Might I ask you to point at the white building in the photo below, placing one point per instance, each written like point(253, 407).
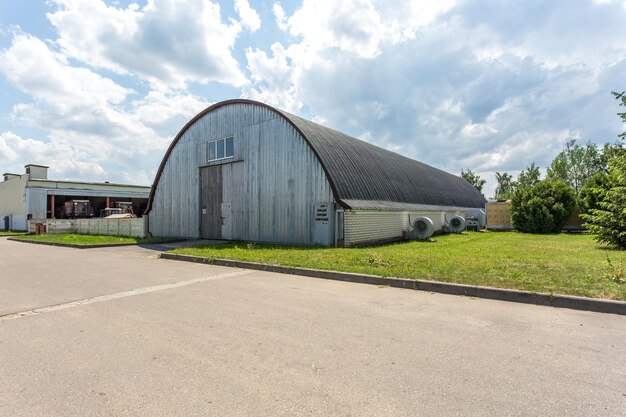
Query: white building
point(33, 197)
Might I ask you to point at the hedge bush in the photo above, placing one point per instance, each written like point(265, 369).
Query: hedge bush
point(542, 208)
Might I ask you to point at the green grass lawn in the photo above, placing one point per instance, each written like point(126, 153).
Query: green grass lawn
point(11, 233)
point(77, 239)
point(571, 264)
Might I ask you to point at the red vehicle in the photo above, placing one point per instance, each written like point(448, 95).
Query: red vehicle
point(76, 209)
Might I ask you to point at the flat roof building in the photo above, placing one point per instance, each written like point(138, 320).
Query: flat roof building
point(32, 196)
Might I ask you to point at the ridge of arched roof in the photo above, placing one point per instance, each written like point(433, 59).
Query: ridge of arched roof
point(366, 176)
point(361, 175)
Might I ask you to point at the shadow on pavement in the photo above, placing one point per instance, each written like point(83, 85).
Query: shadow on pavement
point(165, 246)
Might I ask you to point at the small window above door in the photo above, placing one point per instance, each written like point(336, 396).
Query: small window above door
point(220, 149)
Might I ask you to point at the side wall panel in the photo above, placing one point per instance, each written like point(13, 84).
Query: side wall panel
point(37, 202)
point(13, 196)
point(361, 227)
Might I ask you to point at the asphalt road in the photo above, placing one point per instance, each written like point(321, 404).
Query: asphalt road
point(118, 332)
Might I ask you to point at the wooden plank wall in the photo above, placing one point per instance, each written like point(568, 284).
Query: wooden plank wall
point(211, 202)
point(272, 184)
point(233, 196)
point(499, 215)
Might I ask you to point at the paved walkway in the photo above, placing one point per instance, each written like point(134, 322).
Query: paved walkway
point(116, 331)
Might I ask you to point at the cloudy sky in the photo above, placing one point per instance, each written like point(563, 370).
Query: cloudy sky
point(97, 89)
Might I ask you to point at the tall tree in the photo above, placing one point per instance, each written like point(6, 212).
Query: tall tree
point(576, 164)
point(529, 177)
point(505, 187)
point(608, 221)
point(609, 151)
point(473, 179)
point(621, 96)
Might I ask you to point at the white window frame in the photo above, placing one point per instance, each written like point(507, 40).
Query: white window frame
point(223, 140)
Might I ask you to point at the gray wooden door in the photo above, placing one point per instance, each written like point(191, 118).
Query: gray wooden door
point(211, 202)
point(233, 197)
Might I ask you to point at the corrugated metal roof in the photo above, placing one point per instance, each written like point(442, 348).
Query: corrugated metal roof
point(362, 175)
point(364, 172)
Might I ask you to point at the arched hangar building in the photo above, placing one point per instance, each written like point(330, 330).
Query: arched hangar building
point(243, 170)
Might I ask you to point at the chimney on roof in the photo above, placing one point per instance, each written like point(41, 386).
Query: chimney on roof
point(36, 172)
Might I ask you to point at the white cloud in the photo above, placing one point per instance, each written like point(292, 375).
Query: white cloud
point(609, 2)
point(486, 86)
point(16, 151)
point(169, 42)
point(91, 121)
point(46, 75)
point(281, 18)
point(352, 26)
point(328, 34)
point(249, 17)
point(65, 97)
point(274, 78)
point(158, 108)
point(489, 86)
point(359, 27)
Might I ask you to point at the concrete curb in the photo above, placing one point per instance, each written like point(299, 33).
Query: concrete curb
point(560, 301)
point(71, 245)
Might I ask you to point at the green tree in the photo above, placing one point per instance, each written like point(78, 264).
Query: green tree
point(609, 151)
point(608, 221)
point(529, 177)
point(505, 187)
point(621, 96)
point(576, 164)
point(591, 193)
point(542, 208)
point(473, 179)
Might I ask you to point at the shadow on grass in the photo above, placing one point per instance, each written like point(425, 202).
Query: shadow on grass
point(251, 246)
point(257, 246)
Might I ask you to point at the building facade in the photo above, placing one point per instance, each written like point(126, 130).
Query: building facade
point(33, 197)
point(243, 170)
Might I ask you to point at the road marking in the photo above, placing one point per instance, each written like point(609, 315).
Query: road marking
point(123, 294)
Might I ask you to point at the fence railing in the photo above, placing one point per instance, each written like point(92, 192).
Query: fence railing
point(135, 227)
point(499, 217)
